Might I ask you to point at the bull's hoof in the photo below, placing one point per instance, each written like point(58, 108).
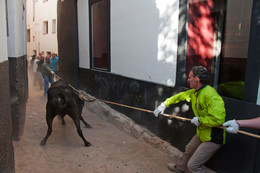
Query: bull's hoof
point(87, 144)
point(42, 143)
point(88, 126)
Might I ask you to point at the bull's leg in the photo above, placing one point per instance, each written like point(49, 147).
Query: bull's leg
point(49, 120)
point(86, 124)
point(81, 118)
point(77, 123)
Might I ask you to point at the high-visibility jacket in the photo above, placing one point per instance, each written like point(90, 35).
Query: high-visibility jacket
point(209, 107)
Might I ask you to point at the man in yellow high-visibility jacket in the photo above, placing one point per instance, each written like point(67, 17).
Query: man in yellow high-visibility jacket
point(208, 108)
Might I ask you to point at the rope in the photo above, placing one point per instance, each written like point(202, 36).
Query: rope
point(174, 116)
point(83, 96)
point(145, 110)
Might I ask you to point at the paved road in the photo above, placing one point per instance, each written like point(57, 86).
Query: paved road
point(112, 150)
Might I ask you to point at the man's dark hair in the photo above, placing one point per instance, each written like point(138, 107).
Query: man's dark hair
point(202, 74)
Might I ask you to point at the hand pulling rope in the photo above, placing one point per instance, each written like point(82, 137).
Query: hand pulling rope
point(82, 95)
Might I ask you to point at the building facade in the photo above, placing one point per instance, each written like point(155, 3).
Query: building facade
point(14, 81)
point(41, 27)
point(139, 53)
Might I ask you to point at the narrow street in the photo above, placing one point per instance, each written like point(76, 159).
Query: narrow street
point(112, 150)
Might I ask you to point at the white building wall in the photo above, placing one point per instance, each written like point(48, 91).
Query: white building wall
point(36, 15)
point(83, 29)
point(3, 33)
point(32, 45)
point(47, 11)
point(143, 39)
point(16, 32)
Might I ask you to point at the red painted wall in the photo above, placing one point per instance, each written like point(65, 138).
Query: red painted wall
point(200, 34)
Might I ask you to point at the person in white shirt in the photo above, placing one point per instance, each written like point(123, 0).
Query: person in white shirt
point(35, 73)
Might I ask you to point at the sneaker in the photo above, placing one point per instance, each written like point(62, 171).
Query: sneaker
point(173, 167)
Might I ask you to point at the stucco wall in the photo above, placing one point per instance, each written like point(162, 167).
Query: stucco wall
point(16, 31)
point(83, 28)
point(3, 35)
point(37, 13)
point(143, 38)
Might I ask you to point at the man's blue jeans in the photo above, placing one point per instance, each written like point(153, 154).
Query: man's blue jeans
point(47, 80)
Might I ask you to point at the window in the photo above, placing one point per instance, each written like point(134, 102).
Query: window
point(233, 57)
point(218, 38)
point(54, 26)
point(100, 37)
point(28, 35)
point(45, 27)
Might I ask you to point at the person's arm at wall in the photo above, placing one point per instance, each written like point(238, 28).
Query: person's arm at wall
point(234, 125)
point(250, 123)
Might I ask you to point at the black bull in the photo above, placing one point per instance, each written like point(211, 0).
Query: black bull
point(63, 100)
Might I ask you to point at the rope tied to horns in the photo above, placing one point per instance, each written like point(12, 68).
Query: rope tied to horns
point(83, 96)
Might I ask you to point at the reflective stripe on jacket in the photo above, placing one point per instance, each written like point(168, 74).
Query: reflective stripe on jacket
point(209, 107)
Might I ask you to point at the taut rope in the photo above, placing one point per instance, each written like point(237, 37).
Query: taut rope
point(83, 96)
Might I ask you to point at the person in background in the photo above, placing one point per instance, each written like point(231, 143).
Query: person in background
point(54, 62)
point(208, 108)
point(39, 69)
point(35, 74)
point(47, 74)
point(234, 125)
point(31, 66)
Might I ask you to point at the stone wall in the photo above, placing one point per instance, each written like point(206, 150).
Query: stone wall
point(6, 146)
point(19, 94)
